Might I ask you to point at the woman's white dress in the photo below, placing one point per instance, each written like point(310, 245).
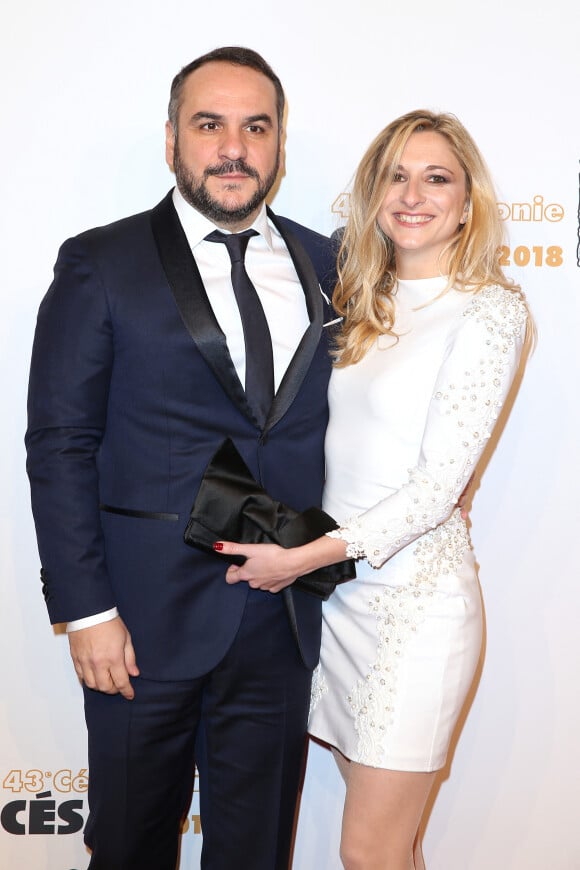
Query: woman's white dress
point(408, 423)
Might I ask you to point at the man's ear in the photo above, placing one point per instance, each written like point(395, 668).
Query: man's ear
point(282, 152)
point(169, 144)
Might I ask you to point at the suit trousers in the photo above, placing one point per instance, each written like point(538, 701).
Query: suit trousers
point(243, 724)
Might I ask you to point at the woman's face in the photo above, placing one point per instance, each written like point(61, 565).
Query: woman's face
point(424, 205)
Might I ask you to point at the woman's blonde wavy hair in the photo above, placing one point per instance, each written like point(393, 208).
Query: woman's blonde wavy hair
point(366, 260)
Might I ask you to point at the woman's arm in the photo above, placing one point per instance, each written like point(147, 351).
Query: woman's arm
point(476, 374)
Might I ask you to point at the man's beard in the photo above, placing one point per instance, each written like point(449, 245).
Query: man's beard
point(195, 192)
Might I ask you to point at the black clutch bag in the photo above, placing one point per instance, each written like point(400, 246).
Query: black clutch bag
point(231, 506)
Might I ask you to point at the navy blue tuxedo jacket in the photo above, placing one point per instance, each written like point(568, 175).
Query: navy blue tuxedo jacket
point(131, 391)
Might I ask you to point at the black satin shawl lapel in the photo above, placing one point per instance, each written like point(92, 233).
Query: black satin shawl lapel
point(192, 302)
point(300, 363)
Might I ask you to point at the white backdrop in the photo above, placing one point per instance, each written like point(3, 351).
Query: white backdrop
point(84, 92)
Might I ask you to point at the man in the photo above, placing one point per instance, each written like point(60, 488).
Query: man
point(137, 376)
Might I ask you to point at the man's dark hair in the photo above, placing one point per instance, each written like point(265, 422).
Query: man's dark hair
point(228, 54)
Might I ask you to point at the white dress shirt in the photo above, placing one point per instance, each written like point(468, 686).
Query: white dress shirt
point(272, 272)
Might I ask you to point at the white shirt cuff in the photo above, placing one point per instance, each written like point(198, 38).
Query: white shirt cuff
point(95, 619)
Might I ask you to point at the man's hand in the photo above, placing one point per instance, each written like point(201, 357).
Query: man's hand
point(104, 657)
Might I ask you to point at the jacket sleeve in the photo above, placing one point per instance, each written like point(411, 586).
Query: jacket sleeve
point(70, 373)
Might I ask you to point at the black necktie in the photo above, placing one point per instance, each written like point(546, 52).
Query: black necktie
point(259, 359)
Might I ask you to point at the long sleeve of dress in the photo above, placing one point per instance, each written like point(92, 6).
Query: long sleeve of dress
point(482, 355)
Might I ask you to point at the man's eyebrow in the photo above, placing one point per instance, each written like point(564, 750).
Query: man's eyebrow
point(215, 116)
point(265, 118)
point(212, 116)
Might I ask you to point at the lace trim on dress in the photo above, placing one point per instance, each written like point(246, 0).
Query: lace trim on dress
point(399, 612)
point(319, 687)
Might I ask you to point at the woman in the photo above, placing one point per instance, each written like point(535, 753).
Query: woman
point(432, 337)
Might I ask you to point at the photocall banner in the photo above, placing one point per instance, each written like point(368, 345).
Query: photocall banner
point(84, 97)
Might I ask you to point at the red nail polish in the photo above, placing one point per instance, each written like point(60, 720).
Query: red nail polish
point(218, 545)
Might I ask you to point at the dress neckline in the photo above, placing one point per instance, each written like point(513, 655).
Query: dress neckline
point(422, 289)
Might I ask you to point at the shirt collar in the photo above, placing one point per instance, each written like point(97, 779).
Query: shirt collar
point(196, 226)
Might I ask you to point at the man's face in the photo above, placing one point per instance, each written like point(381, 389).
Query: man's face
point(226, 152)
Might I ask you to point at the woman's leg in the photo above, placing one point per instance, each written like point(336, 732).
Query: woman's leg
point(382, 813)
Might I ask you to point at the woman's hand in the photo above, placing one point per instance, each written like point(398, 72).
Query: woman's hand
point(267, 566)
point(272, 568)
